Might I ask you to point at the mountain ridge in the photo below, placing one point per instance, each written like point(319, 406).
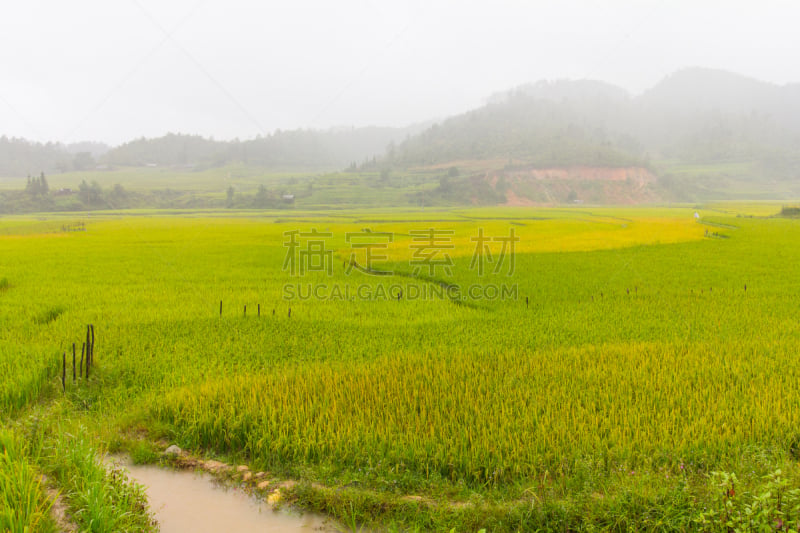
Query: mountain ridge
point(695, 118)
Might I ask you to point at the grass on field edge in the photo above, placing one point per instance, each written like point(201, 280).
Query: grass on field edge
point(686, 498)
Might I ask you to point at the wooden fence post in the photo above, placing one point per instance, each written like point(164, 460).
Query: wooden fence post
point(88, 351)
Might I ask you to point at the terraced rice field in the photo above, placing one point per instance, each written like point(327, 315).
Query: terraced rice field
point(508, 369)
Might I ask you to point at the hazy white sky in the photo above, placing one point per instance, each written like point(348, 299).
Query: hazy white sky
point(114, 70)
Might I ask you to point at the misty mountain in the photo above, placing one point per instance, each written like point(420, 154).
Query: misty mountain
point(171, 149)
point(559, 124)
point(705, 116)
point(330, 149)
point(695, 116)
point(290, 149)
point(20, 157)
point(594, 101)
point(702, 90)
point(94, 149)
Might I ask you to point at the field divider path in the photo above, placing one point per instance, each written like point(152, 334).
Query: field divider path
point(717, 224)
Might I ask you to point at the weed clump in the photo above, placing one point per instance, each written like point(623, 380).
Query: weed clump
point(48, 315)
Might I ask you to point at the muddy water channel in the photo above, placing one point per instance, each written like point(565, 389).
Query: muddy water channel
point(191, 501)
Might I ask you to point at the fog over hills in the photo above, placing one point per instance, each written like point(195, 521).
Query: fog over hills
point(732, 112)
point(695, 116)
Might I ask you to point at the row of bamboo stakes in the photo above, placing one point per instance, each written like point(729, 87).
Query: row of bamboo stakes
point(87, 354)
